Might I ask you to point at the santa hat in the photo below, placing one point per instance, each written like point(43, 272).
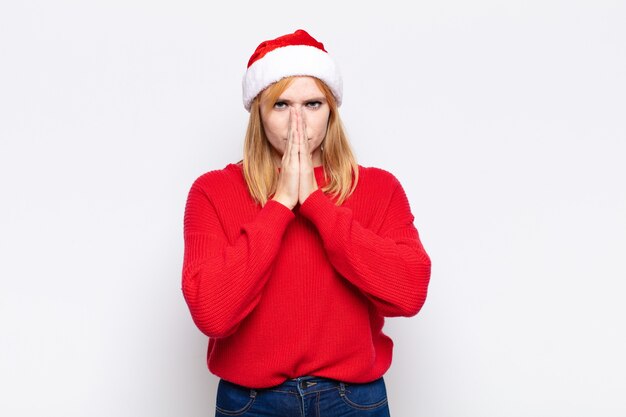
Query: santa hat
point(294, 54)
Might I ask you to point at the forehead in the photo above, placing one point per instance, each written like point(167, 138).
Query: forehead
point(302, 88)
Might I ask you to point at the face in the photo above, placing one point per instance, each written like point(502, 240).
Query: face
point(305, 96)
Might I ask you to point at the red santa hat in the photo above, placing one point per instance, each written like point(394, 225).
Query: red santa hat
point(294, 54)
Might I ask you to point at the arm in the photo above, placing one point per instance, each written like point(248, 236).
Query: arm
point(390, 267)
point(223, 282)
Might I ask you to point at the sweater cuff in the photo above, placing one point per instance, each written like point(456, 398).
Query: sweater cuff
point(274, 216)
point(319, 209)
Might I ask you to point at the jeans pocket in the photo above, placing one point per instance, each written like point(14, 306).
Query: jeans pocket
point(233, 399)
point(364, 396)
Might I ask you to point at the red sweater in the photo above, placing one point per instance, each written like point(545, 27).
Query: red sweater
point(283, 293)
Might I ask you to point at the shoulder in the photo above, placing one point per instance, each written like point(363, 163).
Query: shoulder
point(219, 179)
point(231, 172)
point(377, 177)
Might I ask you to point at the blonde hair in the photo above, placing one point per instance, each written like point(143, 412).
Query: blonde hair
point(260, 169)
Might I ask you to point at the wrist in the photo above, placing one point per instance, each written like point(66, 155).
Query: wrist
point(283, 202)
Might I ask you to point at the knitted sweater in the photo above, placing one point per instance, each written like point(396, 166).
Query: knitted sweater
point(283, 293)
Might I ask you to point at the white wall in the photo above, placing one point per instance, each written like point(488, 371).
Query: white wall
point(504, 120)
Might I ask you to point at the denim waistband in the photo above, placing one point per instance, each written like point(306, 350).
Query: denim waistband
point(308, 384)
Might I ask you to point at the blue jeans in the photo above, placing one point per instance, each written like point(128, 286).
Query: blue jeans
point(307, 396)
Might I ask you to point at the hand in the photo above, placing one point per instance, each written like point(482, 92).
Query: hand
point(296, 180)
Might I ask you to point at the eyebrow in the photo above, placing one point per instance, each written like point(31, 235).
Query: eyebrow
point(322, 99)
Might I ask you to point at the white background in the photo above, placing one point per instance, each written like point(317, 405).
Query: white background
point(505, 121)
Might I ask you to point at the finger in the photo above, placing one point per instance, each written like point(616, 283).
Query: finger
point(301, 127)
point(296, 133)
point(305, 136)
point(290, 134)
point(306, 162)
point(306, 145)
point(287, 152)
point(289, 124)
point(294, 140)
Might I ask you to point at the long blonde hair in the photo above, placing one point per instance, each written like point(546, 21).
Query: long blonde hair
point(260, 169)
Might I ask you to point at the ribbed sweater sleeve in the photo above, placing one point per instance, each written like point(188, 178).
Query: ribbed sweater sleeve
point(390, 266)
point(222, 281)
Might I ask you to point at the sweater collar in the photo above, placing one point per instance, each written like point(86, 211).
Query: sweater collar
point(318, 171)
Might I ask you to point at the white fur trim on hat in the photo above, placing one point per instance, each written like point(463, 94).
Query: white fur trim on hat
point(289, 61)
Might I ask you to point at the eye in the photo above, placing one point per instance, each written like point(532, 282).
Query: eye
point(313, 104)
point(280, 105)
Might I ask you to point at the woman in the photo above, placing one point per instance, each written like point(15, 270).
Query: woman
point(294, 255)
